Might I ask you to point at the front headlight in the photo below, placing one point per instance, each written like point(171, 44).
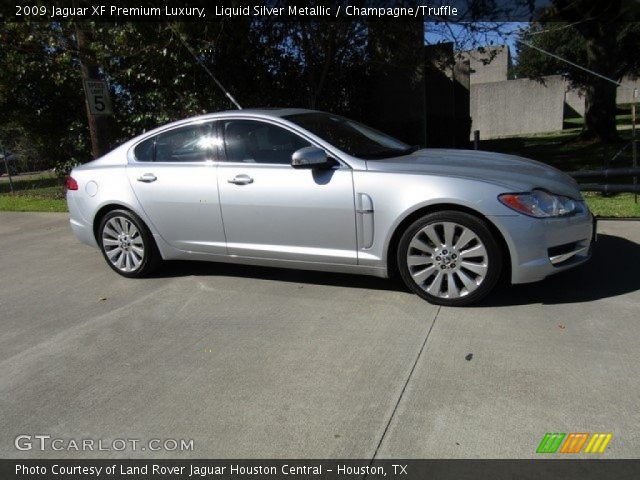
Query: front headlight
point(539, 204)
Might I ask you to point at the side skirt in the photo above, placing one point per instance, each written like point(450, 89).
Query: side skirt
point(170, 253)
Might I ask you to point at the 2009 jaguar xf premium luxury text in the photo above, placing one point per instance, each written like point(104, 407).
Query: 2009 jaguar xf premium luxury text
point(311, 190)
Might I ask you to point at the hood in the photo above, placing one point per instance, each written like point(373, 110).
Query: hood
point(516, 174)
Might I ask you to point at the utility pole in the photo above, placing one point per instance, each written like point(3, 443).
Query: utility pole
point(98, 124)
point(634, 142)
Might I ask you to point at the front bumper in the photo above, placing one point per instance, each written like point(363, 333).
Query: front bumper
point(542, 247)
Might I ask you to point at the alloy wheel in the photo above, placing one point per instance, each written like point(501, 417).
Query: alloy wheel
point(447, 260)
point(123, 244)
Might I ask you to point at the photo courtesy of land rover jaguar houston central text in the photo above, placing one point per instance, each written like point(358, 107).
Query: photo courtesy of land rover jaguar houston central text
point(311, 190)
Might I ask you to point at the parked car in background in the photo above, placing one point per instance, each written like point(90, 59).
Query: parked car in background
point(10, 162)
point(311, 190)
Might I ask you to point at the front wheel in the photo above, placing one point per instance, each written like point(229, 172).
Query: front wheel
point(449, 258)
point(127, 245)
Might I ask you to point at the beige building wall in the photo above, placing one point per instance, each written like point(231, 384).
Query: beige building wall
point(574, 98)
point(501, 107)
point(624, 95)
point(517, 107)
point(625, 91)
point(489, 64)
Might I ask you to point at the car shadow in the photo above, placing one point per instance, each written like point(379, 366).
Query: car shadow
point(187, 268)
point(609, 273)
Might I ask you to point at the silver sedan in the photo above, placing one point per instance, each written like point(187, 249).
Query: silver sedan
point(311, 190)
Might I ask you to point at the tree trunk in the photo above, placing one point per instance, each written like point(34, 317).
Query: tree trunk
point(600, 102)
point(600, 112)
point(598, 22)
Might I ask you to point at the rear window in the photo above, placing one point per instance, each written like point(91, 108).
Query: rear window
point(191, 143)
point(144, 151)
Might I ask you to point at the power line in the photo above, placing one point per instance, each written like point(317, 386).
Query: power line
point(229, 96)
point(557, 57)
point(538, 32)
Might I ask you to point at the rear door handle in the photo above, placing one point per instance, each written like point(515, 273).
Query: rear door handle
point(241, 179)
point(147, 178)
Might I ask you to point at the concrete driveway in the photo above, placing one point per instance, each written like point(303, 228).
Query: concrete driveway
point(253, 362)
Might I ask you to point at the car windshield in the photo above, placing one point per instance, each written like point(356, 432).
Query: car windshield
point(351, 137)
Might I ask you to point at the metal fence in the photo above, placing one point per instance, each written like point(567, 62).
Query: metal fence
point(608, 173)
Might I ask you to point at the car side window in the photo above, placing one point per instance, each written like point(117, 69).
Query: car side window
point(144, 151)
point(193, 143)
point(252, 141)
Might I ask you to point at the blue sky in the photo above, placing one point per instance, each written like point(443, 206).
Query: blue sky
point(460, 33)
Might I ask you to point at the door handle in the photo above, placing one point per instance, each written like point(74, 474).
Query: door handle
point(147, 178)
point(241, 179)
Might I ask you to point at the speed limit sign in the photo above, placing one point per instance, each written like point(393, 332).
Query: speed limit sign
point(98, 97)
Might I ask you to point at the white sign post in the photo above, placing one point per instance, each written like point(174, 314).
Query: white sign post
point(98, 100)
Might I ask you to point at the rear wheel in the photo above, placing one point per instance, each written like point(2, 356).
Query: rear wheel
point(127, 244)
point(449, 258)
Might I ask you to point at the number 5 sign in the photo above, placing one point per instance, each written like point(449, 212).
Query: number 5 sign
point(98, 97)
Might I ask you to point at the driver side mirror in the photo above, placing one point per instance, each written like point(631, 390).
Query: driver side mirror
point(311, 158)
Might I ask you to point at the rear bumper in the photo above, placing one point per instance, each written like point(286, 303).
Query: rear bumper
point(84, 233)
point(543, 247)
point(82, 229)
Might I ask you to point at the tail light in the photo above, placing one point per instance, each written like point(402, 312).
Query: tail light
point(71, 183)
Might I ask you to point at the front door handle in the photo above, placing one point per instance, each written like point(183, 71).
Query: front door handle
point(241, 179)
point(147, 178)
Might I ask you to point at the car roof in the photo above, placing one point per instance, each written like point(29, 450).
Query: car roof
point(271, 112)
point(262, 112)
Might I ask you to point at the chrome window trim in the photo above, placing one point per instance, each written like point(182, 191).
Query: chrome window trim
point(331, 150)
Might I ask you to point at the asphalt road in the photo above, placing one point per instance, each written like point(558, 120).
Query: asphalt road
point(253, 362)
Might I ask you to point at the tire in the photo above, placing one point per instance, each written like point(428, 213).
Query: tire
point(445, 247)
point(127, 244)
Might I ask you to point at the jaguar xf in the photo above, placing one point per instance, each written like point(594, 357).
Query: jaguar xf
point(316, 191)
